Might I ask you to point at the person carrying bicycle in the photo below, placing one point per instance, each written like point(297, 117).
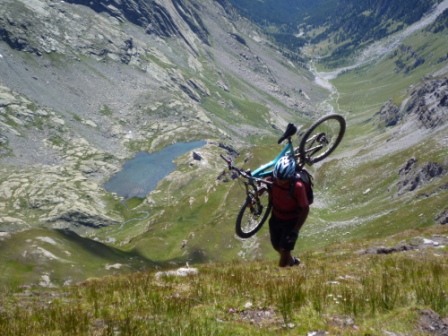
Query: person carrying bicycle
point(290, 208)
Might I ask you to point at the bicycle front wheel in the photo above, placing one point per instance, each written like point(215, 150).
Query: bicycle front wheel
point(252, 215)
point(322, 138)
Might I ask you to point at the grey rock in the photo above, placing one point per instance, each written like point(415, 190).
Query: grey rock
point(413, 176)
point(442, 217)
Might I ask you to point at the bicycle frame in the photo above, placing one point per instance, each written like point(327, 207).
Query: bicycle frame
point(266, 169)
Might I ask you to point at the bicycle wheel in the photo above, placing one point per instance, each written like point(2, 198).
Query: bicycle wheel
point(252, 215)
point(321, 139)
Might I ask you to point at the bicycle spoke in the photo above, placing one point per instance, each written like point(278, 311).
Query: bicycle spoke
point(249, 222)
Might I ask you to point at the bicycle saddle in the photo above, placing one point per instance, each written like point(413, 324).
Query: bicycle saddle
point(291, 129)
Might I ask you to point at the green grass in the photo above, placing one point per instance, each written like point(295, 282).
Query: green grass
point(377, 293)
point(62, 255)
point(106, 111)
point(366, 89)
point(360, 199)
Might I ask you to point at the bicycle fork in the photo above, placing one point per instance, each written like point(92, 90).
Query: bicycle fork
point(253, 198)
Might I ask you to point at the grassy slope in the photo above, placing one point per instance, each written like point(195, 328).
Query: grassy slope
point(63, 256)
point(336, 290)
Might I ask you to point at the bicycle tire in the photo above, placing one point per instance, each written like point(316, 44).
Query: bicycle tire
point(325, 123)
point(247, 226)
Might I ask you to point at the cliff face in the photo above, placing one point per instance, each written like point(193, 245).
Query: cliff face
point(163, 18)
point(46, 26)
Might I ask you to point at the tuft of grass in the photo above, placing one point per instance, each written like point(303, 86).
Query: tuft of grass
point(106, 111)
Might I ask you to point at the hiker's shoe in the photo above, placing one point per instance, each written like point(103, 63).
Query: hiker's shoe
point(295, 261)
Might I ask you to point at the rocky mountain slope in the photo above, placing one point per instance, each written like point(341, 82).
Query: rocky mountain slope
point(85, 85)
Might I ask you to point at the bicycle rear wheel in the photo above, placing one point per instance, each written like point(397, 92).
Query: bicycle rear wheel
point(252, 215)
point(322, 138)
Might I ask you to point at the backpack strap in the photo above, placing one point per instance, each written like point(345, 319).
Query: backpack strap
point(307, 179)
point(292, 186)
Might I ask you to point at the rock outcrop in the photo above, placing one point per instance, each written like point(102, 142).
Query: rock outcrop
point(22, 29)
point(427, 104)
point(155, 16)
point(413, 175)
point(389, 114)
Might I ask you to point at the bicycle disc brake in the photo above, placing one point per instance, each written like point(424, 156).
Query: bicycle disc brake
point(322, 139)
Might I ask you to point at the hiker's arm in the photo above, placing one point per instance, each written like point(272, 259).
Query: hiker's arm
point(303, 215)
point(294, 234)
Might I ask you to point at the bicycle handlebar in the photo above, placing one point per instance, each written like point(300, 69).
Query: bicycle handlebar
point(242, 172)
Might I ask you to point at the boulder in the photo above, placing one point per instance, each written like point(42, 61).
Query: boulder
point(197, 156)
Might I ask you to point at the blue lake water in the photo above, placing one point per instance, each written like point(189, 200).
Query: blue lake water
point(140, 175)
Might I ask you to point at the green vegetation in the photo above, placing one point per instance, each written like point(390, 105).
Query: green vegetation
point(57, 140)
point(53, 258)
point(440, 24)
point(336, 290)
point(76, 117)
point(346, 25)
point(106, 111)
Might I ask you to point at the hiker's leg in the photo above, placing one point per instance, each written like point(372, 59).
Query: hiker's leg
point(288, 243)
point(285, 258)
point(279, 231)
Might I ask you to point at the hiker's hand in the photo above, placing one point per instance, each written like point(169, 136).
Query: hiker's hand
point(262, 189)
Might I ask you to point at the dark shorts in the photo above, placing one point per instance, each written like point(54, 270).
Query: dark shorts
point(279, 230)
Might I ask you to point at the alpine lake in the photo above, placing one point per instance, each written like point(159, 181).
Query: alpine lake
point(140, 175)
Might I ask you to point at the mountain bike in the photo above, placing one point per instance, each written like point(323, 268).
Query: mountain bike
point(316, 144)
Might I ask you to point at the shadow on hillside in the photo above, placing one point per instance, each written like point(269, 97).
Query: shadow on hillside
point(97, 248)
point(62, 256)
point(133, 258)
